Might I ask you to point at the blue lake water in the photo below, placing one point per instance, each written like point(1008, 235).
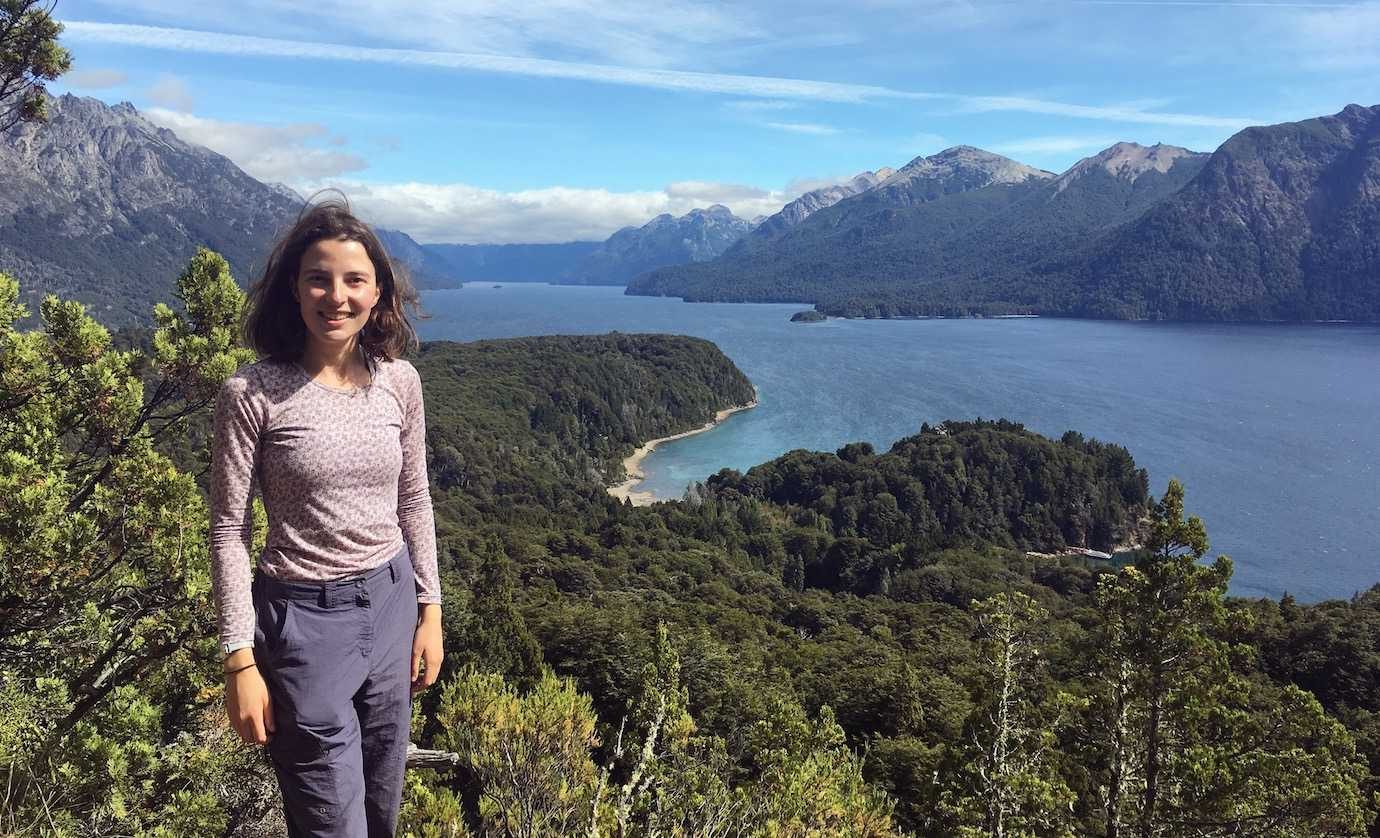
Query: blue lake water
point(1271, 427)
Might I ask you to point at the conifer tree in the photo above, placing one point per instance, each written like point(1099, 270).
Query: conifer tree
point(1191, 746)
point(106, 650)
point(29, 56)
point(1008, 782)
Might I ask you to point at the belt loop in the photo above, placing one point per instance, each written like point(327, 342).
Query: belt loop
point(326, 599)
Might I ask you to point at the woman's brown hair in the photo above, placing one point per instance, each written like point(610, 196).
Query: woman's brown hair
point(273, 326)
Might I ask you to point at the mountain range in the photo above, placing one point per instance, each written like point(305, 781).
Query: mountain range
point(103, 206)
point(697, 236)
point(1279, 223)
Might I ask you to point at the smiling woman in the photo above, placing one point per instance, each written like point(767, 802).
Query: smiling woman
point(329, 426)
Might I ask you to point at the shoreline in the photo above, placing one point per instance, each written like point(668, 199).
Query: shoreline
point(632, 464)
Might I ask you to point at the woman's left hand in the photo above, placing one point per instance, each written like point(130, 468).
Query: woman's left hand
point(426, 647)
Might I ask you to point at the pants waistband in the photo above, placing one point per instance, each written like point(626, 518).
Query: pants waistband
point(329, 592)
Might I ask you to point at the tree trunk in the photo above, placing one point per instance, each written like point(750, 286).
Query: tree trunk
point(1117, 781)
point(1152, 760)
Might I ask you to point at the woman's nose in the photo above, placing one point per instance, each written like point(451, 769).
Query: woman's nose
point(338, 292)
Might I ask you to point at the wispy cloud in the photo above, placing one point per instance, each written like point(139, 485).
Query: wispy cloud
point(1053, 145)
point(186, 40)
point(1335, 39)
point(172, 92)
point(758, 105)
point(984, 104)
point(1243, 4)
point(670, 32)
point(765, 87)
point(814, 128)
point(467, 214)
point(95, 79)
point(268, 152)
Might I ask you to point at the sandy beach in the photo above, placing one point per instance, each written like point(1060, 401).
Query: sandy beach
point(632, 464)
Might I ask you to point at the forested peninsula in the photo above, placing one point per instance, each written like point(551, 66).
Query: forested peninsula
point(832, 643)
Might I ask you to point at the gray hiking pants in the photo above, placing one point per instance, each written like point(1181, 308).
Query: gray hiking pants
point(337, 658)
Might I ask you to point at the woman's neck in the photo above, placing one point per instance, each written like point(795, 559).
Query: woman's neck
point(334, 363)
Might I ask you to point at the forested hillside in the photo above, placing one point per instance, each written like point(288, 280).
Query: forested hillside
point(530, 413)
point(1277, 224)
point(848, 643)
point(1280, 224)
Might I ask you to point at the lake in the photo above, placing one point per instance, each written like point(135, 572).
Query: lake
point(1271, 427)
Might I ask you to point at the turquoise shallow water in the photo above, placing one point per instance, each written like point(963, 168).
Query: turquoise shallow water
point(1272, 427)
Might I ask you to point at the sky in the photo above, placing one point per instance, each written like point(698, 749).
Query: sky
point(487, 121)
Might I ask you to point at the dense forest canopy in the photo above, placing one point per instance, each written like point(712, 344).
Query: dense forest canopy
point(846, 643)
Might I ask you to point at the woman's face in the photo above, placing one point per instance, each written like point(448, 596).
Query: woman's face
point(336, 290)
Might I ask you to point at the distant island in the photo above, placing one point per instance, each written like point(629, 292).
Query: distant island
point(809, 316)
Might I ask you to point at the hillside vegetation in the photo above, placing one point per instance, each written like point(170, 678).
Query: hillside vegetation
point(847, 643)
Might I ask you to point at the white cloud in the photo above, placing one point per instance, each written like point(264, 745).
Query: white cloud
point(95, 79)
point(268, 152)
point(766, 87)
point(803, 128)
point(1345, 38)
point(466, 214)
point(758, 105)
point(1054, 145)
point(172, 92)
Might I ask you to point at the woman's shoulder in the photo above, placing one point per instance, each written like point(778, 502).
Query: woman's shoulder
point(257, 377)
point(401, 371)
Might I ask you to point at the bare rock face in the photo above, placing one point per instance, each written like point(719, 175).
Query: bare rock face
point(958, 169)
point(103, 206)
point(1128, 161)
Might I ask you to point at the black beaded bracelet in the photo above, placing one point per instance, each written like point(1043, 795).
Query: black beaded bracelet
point(241, 669)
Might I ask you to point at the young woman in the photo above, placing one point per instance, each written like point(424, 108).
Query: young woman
point(341, 622)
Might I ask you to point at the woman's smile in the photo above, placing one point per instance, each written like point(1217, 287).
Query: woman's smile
point(336, 289)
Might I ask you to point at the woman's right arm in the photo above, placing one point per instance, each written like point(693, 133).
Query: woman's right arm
point(239, 421)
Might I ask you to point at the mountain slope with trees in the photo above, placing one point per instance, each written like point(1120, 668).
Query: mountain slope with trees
point(1280, 224)
point(872, 254)
point(102, 206)
point(706, 665)
point(1277, 224)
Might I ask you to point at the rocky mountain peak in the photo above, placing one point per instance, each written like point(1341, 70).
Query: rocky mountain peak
point(817, 199)
point(968, 163)
point(104, 206)
point(1128, 161)
point(714, 210)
